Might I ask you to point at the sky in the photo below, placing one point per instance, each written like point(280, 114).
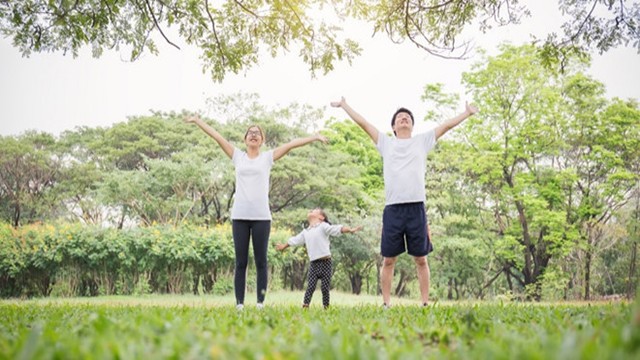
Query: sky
point(52, 92)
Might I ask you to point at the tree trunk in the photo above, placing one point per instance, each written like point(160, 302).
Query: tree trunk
point(356, 283)
point(631, 284)
point(587, 275)
point(401, 285)
point(16, 217)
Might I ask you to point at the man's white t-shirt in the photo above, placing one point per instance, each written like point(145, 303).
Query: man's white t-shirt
point(251, 200)
point(404, 166)
point(316, 239)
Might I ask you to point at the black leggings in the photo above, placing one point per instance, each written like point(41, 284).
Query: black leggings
point(259, 231)
point(319, 269)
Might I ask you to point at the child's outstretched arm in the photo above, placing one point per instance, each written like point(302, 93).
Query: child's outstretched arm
point(346, 229)
point(293, 241)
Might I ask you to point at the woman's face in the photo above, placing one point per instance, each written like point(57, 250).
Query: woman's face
point(254, 137)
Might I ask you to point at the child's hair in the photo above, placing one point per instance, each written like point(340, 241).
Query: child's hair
point(324, 215)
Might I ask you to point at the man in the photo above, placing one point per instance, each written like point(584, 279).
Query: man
point(404, 220)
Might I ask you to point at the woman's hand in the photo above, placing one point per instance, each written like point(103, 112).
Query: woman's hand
point(339, 103)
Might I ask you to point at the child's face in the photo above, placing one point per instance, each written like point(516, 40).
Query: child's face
point(315, 214)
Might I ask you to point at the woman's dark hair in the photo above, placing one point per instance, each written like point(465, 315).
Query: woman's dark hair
point(401, 110)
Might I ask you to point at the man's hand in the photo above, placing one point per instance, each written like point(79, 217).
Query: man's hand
point(471, 108)
point(191, 119)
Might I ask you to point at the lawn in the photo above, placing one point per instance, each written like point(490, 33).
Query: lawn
point(355, 327)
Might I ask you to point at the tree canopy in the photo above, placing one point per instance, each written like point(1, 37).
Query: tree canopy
point(232, 34)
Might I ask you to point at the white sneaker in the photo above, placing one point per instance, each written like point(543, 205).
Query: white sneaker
point(386, 306)
point(239, 307)
point(260, 306)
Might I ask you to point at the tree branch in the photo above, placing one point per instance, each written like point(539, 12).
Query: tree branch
point(215, 34)
point(155, 21)
point(579, 31)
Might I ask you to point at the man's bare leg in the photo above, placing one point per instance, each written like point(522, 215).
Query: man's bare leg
point(424, 276)
point(386, 278)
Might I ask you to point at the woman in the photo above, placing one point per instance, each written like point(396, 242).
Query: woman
point(250, 214)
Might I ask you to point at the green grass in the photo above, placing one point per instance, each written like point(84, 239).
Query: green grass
point(355, 327)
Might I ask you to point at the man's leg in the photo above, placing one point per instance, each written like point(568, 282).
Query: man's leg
point(424, 275)
point(386, 278)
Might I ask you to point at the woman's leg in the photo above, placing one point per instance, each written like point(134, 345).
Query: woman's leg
point(241, 231)
point(260, 233)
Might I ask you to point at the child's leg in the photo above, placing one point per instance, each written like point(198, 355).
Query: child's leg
point(326, 273)
point(312, 282)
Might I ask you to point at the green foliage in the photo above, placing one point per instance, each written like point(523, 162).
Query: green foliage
point(347, 138)
point(73, 259)
point(231, 35)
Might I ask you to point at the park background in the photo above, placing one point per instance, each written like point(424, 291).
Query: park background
point(537, 197)
point(114, 214)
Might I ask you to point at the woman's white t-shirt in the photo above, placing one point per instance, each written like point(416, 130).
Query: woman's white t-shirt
point(404, 166)
point(251, 201)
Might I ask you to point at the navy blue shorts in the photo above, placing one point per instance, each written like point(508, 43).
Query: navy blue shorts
point(405, 228)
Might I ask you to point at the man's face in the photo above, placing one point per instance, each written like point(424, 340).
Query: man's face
point(402, 121)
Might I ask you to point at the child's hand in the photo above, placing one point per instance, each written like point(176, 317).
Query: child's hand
point(356, 229)
point(281, 247)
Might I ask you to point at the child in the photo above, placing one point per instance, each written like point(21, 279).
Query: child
point(316, 239)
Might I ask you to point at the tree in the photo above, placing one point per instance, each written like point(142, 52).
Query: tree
point(594, 25)
point(511, 144)
point(84, 173)
point(232, 35)
point(29, 169)
point(603, 153)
